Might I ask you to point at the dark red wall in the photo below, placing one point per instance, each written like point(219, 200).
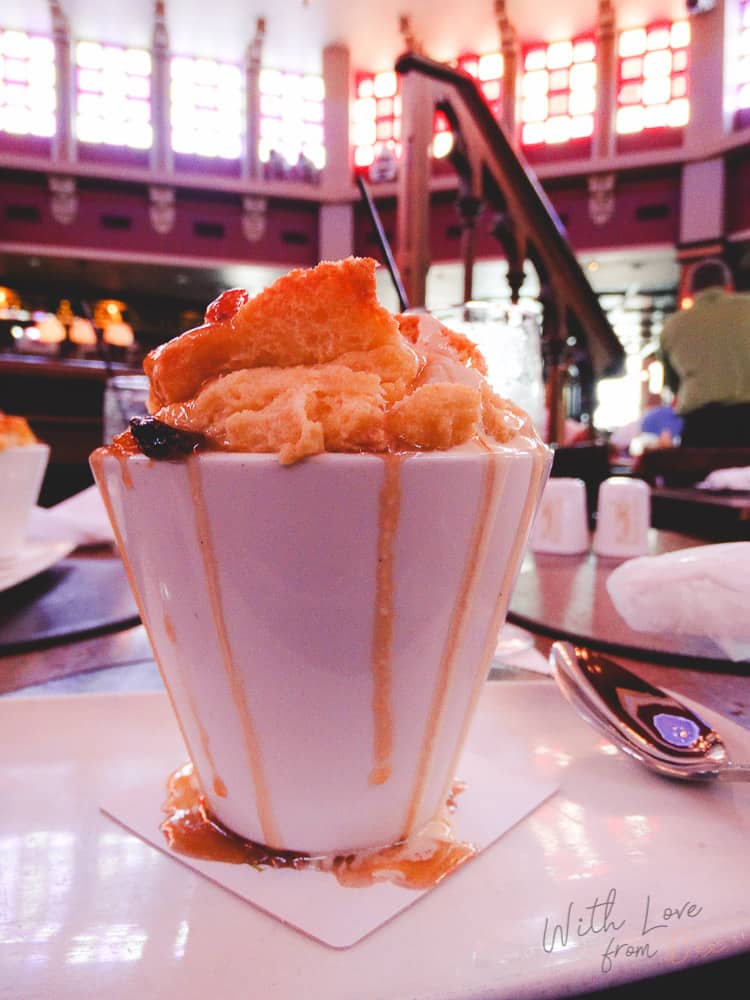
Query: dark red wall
point(646, 211)
point(115, 217)
point(737, 191)
point(647, 206)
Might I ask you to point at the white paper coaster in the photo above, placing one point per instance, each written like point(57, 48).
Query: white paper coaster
point(500, 790)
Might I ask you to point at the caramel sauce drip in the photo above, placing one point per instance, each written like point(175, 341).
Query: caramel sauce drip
point(382, 646)
point(169, 629)
point(216, 783)
point(190, 829)
point(501, 604)
point(123, 444)
point(127, 479)
point(236, 686)
point(539, 462)
point(451, 803)
point(481, 531)
point(122, 448)
point(97, 463)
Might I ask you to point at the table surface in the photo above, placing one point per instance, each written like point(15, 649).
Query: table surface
point(734, 499)
point(79, 597)
point(122, 662)
point(567, 597)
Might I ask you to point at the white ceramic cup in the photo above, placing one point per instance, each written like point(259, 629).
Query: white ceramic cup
point(324, 628)
point(22, 470)
point(561, 524)
point(623, 518)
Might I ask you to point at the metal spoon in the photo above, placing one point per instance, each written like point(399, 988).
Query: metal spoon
point(640, 719)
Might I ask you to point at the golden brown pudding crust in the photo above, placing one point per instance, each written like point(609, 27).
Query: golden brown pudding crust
point(307, 317)
point(314, 363)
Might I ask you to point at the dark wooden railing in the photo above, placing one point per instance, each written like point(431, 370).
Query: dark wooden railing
point(492, 172)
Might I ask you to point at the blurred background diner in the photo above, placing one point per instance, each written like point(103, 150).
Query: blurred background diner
point(146, 166)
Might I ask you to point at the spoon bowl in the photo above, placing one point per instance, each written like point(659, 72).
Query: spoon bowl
point(640, 719)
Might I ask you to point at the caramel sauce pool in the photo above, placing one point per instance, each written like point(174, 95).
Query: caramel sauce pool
point(190, 829)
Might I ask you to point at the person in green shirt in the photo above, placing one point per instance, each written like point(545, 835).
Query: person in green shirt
point(706, 355)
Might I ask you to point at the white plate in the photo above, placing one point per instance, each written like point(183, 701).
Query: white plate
point(88, 910)
point(33, 558)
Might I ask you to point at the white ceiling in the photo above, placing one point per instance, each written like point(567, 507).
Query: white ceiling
point(298, 30)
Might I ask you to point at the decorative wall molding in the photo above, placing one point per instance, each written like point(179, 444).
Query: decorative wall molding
point(601, 198)
point(63, 199)
point(409, 36)
point(254, 218)
point(160, 34)
point(59, 21)
point(161, 150)
point(161, 209)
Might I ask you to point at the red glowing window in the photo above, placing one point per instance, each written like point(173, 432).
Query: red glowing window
point(653, 78)
point(558, 92)
point(376, 114)
point(376, 121)
point(743, 67)
point(488, 71)
point(27, 84)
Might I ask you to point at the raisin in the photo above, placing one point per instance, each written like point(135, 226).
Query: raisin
point(226, 305)
point(158, 440)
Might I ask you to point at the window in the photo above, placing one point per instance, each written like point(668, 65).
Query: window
point(376, 114)
point(207, 103)
point(653, 78)
point(291, 120)
point(376, 118)
point(488, 70)
point(558, 92)
point(27, 84)
point(113, 95)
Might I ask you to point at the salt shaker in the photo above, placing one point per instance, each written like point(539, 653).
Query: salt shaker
point(561, 525)
point(623, 518)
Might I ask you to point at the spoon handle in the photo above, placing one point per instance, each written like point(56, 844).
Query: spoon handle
point(735, 772)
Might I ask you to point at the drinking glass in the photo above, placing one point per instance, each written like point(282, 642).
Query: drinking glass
point(509, 337)
point(125, 396)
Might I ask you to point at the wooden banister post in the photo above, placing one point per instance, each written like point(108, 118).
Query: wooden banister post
point(412, 230)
